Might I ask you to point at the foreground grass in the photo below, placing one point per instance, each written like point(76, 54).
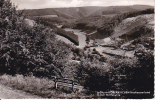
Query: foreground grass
point(29, 84)
point(39, 86)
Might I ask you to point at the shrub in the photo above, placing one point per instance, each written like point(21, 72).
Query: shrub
point(144, 82)
point(121, 71)
point(134, 74)
point(94, 75)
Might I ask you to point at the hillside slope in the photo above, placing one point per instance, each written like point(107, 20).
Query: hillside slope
point(129, 25)
point(124, 23)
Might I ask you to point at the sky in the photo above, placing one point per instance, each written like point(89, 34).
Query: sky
point(37, 4)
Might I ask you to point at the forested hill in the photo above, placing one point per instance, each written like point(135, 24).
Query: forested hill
point(80, 12)
point(125, 23)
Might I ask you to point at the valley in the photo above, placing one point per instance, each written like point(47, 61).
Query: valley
point(99, 47)
point(77, 52)
point(107, 33)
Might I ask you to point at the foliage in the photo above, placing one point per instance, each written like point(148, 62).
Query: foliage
point(69, 35)
point(146, 62)
point(134, 74)
point(94, 75)
point(52, 20)
point(137, 32)
point(121, 71)
point(27, 49)
point(147, 42)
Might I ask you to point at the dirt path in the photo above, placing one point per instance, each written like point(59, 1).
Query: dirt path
point(9, 93)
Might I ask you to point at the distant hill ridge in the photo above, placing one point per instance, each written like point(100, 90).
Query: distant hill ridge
point(119, 9)
point(80, 12)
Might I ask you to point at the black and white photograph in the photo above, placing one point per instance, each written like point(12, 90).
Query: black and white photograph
point(77, 49)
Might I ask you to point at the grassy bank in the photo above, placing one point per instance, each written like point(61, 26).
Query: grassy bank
point(40, 86)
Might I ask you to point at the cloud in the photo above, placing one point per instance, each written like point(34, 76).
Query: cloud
point(36, 4)
point(64, 0)
point(30, 4)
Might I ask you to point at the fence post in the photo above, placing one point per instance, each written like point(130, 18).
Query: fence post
point(55, 80)
point(72, 85)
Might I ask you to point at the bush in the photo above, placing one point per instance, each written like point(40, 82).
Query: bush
point(121, 71)
point(135, 74)
point(145, 81)
point(94, 75)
